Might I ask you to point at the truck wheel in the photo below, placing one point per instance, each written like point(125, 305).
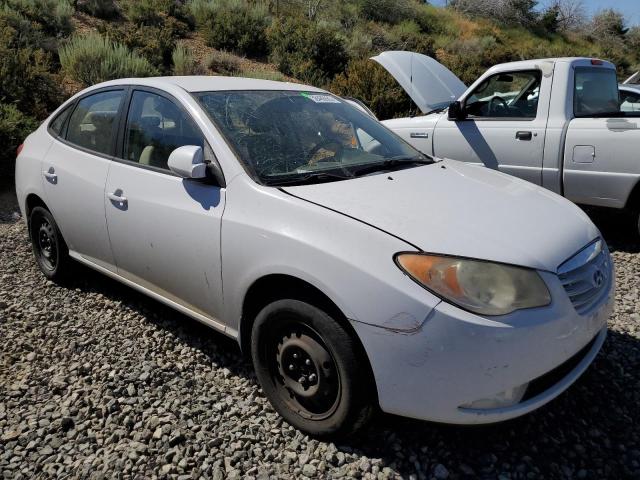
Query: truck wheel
point(309, 369)
point(49, 248)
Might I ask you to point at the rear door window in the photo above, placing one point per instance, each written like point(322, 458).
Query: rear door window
point(595, 92)
point(93, 123)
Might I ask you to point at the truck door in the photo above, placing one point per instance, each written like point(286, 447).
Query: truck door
point(504, 129)
point(600, 153)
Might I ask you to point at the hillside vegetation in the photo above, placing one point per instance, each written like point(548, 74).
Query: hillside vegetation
point(49, 49)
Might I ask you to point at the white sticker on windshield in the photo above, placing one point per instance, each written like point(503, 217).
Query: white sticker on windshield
point(318, 98)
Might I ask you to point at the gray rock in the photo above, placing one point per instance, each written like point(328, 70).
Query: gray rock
point(440, 472)
point(309, 470)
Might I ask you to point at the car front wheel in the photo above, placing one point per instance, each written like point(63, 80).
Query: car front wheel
point(310, 370)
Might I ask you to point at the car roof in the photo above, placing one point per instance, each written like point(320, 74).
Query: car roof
point(206, 83)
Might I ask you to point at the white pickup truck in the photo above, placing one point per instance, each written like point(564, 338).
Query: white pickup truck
point(554, 122)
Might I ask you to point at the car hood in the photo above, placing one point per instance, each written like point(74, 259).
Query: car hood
point(429, 84)
point(458, 209)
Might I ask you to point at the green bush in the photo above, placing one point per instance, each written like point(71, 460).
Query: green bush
point(53, 16)
point(91, 59)
point(232, 25)
point(184, 62)
point(408, 36)
point(263, 75)
point(369, 82)
point(14, 127)
point(389, 11)
point(155, 43)
point(25, 68)
point(147, 12)
point(224, 63)
point(431, 19)
point(106, 9)
point(469, 58)
point(360, 43)
point(311, 52)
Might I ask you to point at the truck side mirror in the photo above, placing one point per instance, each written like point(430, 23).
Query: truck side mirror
point(456, 111)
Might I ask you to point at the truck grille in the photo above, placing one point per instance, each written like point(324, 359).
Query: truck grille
point(586, 276)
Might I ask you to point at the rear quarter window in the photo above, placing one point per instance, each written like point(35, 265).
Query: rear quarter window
point(57, 124)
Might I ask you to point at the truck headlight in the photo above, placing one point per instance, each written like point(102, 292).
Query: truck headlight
point(482, 287)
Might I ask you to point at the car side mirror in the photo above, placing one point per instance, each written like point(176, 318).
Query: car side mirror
point(188, 162)
point(456, 111)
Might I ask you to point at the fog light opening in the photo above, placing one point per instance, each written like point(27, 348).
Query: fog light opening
point(507, 398)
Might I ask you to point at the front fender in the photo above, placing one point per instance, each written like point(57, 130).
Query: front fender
point(266, 231)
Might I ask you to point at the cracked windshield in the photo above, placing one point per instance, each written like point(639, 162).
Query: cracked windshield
point(294, 137)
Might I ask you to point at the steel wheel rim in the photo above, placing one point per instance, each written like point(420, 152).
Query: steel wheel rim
point(47, 245)
point(304, 372)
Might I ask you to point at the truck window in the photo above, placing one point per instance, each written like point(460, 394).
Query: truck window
point(595, 92)
point(629, 101)
point(513, 95)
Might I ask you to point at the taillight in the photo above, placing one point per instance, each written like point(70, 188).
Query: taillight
point(595, 61)
point(19, 149)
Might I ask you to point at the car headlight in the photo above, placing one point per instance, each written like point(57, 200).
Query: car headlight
point(481, 287)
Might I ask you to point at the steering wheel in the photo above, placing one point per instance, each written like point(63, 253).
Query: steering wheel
point(337, 151)
point(492, 104)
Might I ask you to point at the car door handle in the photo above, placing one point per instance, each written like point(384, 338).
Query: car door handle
point(117, 197)
point(524, 135)
point(419, 135)
point(50, 175)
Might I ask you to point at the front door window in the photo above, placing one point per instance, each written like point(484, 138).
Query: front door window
point(506, 95)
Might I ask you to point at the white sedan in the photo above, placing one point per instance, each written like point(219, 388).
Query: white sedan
point(353, 270)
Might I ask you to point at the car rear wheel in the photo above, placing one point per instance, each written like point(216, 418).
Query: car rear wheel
point(309, 369)
point(49, 248)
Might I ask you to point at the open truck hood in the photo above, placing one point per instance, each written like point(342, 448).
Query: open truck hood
point(429, 84)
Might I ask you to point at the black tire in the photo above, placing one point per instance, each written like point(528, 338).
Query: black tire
point(49, 248)
point(338, 402)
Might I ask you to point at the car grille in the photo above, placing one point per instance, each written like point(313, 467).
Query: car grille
point(586, 276)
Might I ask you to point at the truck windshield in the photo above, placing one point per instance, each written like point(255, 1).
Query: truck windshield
point(595, 92)
point(284, 137)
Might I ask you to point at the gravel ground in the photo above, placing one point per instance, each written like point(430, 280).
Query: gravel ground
point(97, 381)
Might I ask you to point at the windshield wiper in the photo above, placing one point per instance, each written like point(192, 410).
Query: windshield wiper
point(392, 163)
point(310, 178)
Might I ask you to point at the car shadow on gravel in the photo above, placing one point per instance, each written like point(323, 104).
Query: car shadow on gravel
point(617, 228)
point(222, 350)
point(8, 204)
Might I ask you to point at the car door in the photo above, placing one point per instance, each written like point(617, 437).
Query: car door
point(164, 230)
point(504, 128)
point(75, 171)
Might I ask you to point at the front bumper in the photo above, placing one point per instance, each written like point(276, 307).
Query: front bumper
point(457, 358)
